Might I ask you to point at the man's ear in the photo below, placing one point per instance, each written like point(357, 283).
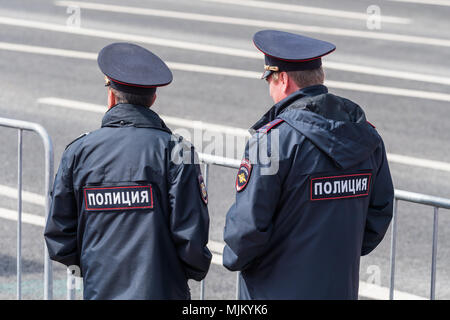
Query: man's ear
point(284, 79)
point(289, 85)
point(111, 99)
point(153, 99)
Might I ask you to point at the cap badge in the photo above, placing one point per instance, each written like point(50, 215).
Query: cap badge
point(271, 68)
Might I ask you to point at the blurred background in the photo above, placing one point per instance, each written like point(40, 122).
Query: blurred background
point(392, 59)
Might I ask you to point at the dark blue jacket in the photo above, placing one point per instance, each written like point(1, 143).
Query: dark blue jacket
point(299, 233)
point(133, 220)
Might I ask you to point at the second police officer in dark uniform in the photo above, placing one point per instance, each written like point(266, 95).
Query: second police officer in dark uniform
point(299, 232)
point(127, 207)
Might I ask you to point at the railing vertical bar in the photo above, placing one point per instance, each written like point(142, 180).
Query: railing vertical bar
point(49, 169)
point(19, 215)
point(238, 284)
point(48, 275)
point(393, 249)
point(206, 176)
point(434, 254)
point(202, 289)
point(70, 285)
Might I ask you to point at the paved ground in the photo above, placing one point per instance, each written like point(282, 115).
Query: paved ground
point(414, 123)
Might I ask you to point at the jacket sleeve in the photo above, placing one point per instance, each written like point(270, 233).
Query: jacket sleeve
point(189, 218)
point(248, 226)
point(61, 228)
point(380, 210)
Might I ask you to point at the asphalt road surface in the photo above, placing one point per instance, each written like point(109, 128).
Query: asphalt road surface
point(397, 68)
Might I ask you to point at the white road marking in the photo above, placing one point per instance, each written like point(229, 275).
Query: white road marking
point(424, 163)
point(244, 74)
point(185, 123)
point(178, 122)
point(214, 70)
point(376, 292)
point(26, 196)
point(309, 10)
point(226, 20)
point(126, 37)
point(47, 51)
point(430, 2)
point(352, 86)
point(26, 217)
point(209, 18)
point(93, 56)
point(420, 77)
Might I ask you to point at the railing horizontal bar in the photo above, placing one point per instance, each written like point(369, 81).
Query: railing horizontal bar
point(399, 194)
point(422, 199)
point(220, 161)
point(19, 124)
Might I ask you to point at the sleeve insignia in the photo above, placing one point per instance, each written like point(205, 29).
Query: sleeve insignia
point(202, 186)
point(243, 175)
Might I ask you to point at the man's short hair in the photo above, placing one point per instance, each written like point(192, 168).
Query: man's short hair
point(137, 99)
point(307, 78)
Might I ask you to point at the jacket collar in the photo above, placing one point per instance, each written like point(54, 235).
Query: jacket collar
point(279, 107)
point(125, 115)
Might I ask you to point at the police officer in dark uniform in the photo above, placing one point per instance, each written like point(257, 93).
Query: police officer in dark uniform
point(297, 232)
point(129, 204)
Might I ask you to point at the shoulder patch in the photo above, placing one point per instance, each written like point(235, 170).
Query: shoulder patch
point(81, 136)
point(243, 175)
point(203, 191)
point(268, 126)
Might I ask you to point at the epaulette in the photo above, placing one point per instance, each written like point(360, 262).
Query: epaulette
point(268, 126)
point(81, 136)
point(371, 125)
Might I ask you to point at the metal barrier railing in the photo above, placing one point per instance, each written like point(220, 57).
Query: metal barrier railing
point(436, 203)
point(400, 195)
point(207, 160)
point(34, 127)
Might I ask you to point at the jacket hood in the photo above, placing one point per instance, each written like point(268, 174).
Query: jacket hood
point(124, 114)
point(337, 126)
